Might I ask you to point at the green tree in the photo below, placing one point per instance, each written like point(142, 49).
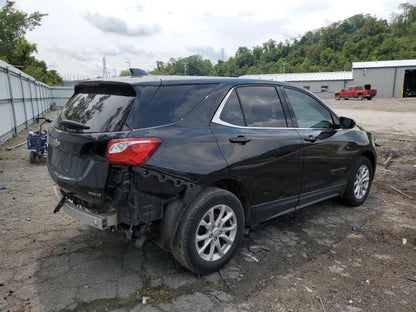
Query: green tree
point(125, 72)
point(195, 65)
point(16, 50)
point(361, 37)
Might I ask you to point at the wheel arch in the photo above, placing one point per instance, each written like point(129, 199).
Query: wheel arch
point(174, 210)
point(240, 191)
point(372, 158)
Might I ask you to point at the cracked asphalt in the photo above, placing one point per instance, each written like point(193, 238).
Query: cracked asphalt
point(50, 262)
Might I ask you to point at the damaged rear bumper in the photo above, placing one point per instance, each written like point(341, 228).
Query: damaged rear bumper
point(99, 221)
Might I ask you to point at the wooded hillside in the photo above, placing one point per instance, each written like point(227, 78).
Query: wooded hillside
point(332, 48)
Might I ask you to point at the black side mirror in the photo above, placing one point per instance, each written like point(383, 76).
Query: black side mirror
point(346, 123)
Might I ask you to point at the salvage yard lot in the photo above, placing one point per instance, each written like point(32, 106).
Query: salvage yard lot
point(327, 257)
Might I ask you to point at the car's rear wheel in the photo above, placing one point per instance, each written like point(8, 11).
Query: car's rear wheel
point(359, 182)
point(369, 98)
point(210, 232)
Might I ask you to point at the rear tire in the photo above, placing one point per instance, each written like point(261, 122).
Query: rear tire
point(32, 157)
point(359, 182)
point(369, 98)
point(210, 232)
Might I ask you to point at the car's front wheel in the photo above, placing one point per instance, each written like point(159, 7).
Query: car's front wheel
point(359, 182)
point(210, 232)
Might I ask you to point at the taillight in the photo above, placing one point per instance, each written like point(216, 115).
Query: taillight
point(133, 152)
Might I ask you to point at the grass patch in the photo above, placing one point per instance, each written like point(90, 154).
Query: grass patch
point(158, 295)
point(144, 276)
point(155, 295)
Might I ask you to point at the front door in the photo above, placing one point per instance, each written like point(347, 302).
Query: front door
point(326, 148)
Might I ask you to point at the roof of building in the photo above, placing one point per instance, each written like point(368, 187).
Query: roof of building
point(323, 76)
point(381, 64)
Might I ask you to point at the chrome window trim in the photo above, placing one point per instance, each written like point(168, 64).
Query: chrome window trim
point(217, 120)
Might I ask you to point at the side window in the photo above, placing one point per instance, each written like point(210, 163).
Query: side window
point(231, 112)
point(261, 107)
point(170, 104)
point(309, 113)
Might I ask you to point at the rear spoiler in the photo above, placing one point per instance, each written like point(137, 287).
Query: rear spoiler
point(137, 72)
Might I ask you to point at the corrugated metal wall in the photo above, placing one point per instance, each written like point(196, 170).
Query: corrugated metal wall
point(318, 87)
point(381, 79)
point(22, 99)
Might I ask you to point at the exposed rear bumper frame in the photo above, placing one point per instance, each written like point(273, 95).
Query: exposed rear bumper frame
point(99, 221)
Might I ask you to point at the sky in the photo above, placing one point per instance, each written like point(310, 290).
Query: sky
point(77, 34)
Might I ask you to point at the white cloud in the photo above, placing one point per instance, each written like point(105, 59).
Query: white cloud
point(143, 32)
point(133, 50)
point(111, 24)
point(108, 51)
point(206, 51)
point(80, 55)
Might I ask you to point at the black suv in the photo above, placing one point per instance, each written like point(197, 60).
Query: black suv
point(201, 159)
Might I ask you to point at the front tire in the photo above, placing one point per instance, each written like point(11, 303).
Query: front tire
point(359, 182)
point(337, 97)
point(210, 232)
point(360, 97)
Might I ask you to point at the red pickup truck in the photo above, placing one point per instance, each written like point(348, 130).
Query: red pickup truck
point(357, 92)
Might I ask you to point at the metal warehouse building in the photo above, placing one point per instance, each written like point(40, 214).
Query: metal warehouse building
point(390, 78)
point(323, 83)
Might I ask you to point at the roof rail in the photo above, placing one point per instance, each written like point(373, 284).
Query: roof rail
point(136, 72)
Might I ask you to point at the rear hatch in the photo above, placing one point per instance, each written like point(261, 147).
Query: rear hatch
point(96, 114)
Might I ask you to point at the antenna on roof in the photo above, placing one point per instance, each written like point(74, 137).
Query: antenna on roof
point(137, 72)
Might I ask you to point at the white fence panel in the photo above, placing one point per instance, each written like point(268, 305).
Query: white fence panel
point(22, 99)
point(6, 124)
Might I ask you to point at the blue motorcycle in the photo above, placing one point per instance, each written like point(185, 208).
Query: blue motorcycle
point(37, 140)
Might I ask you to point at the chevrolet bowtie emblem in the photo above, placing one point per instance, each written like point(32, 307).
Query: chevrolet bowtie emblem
point(56, 143)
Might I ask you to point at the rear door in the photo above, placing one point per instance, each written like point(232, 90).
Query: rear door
point(261, 151)
point(326, 150)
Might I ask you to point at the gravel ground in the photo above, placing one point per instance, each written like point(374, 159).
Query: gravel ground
point(327, 257)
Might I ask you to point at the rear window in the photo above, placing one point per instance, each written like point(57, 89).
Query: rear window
point(169, 104)
point(101, 108)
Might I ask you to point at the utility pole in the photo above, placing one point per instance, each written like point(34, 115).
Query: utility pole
point(105, 73)
point(222, 54)
point(128, 62)
point(185, 68)
point(284, 68)
point(115, 72)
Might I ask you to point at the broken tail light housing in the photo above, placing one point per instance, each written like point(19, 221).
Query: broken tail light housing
point(132, 152)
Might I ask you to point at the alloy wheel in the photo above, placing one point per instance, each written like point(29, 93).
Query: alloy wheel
point(216, 233)
point(361, 182)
